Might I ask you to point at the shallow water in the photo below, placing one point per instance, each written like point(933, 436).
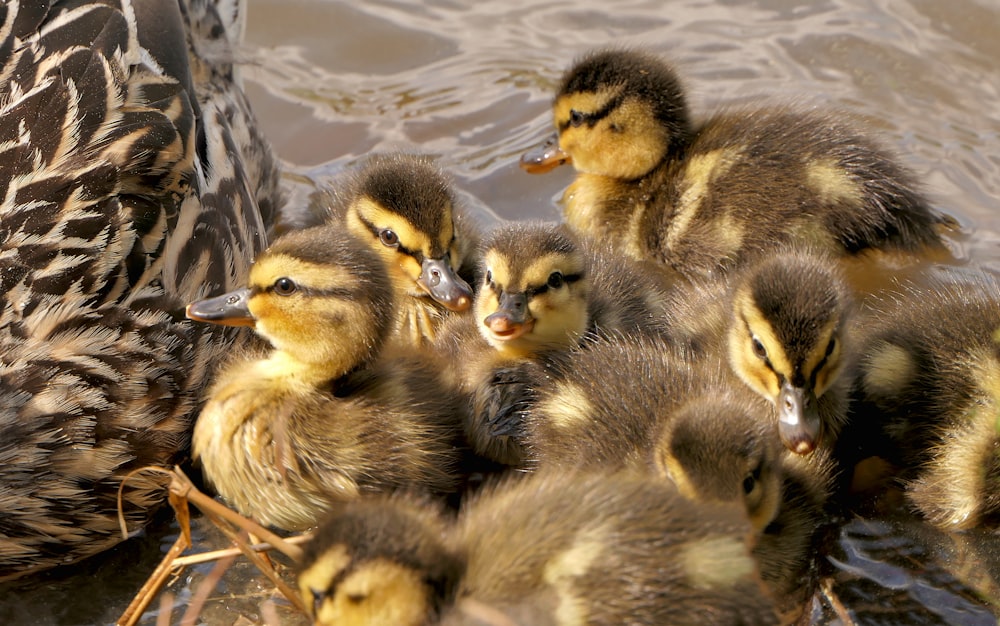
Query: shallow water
point(470, 82)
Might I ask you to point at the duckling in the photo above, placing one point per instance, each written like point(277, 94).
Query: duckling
point(717, 449)
point(380, 560)
point(930, 379)
point(133, 181)
point(543, 290)
point(549, 548)
point(405, 208)
point(783, 324)
point(702, 198)
point(322, 417)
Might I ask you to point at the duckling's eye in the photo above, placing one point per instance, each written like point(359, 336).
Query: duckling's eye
point(748, 484)
point(759, 349)
point(555, 280)
point(356, 598)
point(489, 277)
point(388, 237)
point(576, 118)
point(318, 598)
point(284, 286)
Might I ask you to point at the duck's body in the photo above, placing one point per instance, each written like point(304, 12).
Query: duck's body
point(543, 291)
point(557, 548)
point(404, 207)
point(134, 183)
point(930, 379)
point(699, 198)
point(321, 418)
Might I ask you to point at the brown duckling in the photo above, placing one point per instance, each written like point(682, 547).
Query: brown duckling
point(718, 450)
point(543, 291)
point(637, 402)
point(930, 379)
point(782, 322)
point(549, 548)
point(322, 416)
point(699, 197)
point(404, 207)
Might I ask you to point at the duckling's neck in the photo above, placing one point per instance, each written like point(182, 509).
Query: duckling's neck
point(281, 365)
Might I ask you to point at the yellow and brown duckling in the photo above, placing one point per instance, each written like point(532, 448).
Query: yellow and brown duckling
point(783, 323)
point(549, 548)
point(717, 449)
point(404, 207)
point(327, 414)
point(133, 181)
point(697, 197)
point(543, 291)
point(930, 380)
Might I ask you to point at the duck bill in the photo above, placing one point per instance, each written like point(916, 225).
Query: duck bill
point(229, 309)
point(798, 419)
point(444, 285)
point(510, 320)
point(545, 157)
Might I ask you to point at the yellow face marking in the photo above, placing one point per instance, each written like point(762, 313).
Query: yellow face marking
point(832, 183)
point(717, 562)
point(403, 268)
point(326, 334)
point(379, 592)
point(318, 576)
point(833, 365)
point(567, 408)
point(888, 370)
point(669, 467)
point(559, 315)
point(627, 143)
point(745, 363)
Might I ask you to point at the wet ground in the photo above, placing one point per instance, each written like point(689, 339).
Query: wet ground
point(470, 82)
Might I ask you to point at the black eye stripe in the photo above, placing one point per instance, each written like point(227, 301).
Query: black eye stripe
point(591, 119)
point(567, 278)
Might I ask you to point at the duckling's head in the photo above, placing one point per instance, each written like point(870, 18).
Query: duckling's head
point(786, 339)
point(318, 295)
point(618, 113)
point(404, 207)
point(535, 291)
point(719, 448)
point(377, 561)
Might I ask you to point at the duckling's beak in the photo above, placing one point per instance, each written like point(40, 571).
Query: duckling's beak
point(544, 157)
point(798, 418)
point(510, 320)
point(444, 285)
point(229, 309)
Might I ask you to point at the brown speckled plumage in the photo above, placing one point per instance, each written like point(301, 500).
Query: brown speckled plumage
point(133, 182)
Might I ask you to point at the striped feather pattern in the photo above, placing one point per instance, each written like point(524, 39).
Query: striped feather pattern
point(132, 181)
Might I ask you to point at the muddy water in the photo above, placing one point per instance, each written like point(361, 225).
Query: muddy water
point(470, 82)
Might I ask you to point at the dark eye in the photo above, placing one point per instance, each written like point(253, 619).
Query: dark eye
point(284, 286)
point(759, 349)
point(555, 280)
point(356, 598)
point(575, 118)
point(489, 277)
point(830, 347)
point(318, 598)
point(388, 237)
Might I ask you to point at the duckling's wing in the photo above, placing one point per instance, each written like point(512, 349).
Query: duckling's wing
point(126, 193)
